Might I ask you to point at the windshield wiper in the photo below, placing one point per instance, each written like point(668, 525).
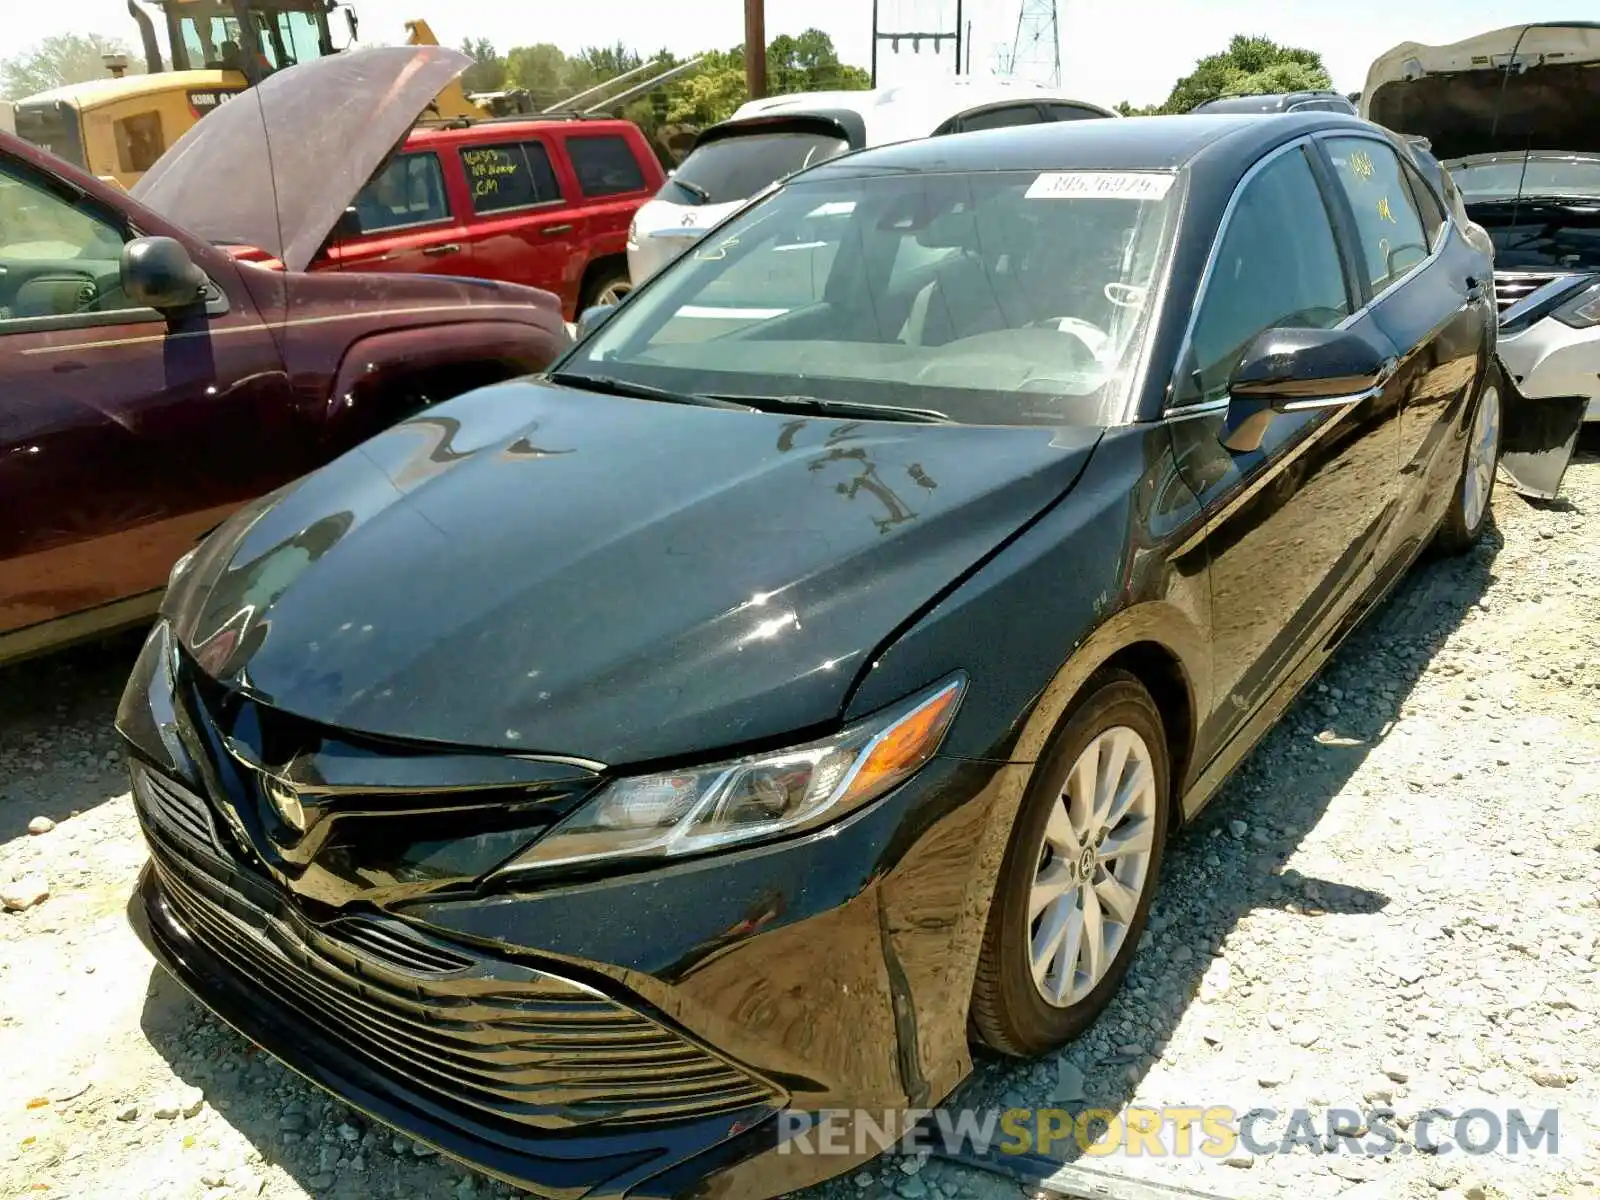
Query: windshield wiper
point(694, 189)
point(641, 391)
point(840, 408)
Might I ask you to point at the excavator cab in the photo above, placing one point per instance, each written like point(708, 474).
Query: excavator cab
point(253, 37)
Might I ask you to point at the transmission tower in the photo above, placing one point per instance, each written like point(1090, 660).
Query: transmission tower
point(1036, 50)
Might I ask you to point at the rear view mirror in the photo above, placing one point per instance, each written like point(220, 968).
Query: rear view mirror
point(157, 272)
point(353, 23)
point(1291, 370)
point(592, 318)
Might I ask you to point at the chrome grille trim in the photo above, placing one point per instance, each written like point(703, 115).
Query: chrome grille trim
point(515, 1046)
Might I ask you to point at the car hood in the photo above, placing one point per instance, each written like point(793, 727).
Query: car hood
point(1462, 100)
point(545, 570)
point(277, 165)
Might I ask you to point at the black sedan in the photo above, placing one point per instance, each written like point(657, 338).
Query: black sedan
point(811, 668)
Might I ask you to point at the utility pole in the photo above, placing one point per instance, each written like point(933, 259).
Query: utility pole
point(1036, 51)
point(755, 48)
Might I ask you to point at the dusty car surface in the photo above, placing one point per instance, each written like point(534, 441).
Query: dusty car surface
point(1511, 113)
point(597, 767)
point(150, 383)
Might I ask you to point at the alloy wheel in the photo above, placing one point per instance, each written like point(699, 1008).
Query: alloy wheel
point(1093, 866)
point(1483, 452)
point(613, 292)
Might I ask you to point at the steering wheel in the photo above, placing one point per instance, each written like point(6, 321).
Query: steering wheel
point(1125, 295)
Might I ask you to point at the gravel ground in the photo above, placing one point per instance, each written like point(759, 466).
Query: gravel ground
point(1393, 903)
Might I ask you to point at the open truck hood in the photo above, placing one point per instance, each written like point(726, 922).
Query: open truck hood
point(276, 166)
point(1464, 101)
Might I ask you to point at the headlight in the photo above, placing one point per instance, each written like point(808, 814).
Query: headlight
point(689, 812)
point(1583, 310)
point(633, 230)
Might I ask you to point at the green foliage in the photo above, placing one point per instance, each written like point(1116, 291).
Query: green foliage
point(488, 70)
point(60, 60)
point(703, 97)
point(1251, 66)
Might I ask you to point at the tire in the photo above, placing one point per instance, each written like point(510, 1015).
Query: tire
point(1469, 513)
point(607, 286)
point(1010, 1011)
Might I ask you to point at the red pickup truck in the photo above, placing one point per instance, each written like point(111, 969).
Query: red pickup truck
point(545, 203)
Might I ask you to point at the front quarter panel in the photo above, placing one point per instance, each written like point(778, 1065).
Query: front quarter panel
point(1105, 571)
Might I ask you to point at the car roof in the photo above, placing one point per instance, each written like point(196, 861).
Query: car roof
point(911, 110)
point(1136, 144)
point(496, 129)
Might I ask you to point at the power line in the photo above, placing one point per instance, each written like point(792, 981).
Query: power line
point(1036, 49)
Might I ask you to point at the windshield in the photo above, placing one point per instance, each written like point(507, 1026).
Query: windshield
point(1504, 178)
point(739, 166)
point(1006, 298)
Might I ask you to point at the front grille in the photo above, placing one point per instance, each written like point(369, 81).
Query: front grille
point(176, 807)
point(516, 1046)
point(393, 944)
point(1511, 286)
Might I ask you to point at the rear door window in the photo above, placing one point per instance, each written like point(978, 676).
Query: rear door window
point(409, 191)
point(605, 165)
point(1072, 112)
point(740, 165)
point(1393, 239)
point(510, 176)
point(1001, 118)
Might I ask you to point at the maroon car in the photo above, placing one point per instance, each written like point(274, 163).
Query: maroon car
point(151, 381)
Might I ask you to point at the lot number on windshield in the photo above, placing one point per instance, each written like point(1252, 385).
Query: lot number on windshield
point(1119, 185)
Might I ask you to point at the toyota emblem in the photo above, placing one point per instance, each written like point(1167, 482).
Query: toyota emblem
point(286, 802)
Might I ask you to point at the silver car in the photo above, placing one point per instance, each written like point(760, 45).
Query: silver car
point(1511, 114)
point(766, 140)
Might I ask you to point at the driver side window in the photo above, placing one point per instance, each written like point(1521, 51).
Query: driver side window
point(1277, 266)
point(57, 258)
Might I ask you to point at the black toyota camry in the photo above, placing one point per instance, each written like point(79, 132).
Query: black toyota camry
point(808, 671)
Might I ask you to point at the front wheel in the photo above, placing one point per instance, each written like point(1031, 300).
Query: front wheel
point(1079, 873)
point(1468, 514)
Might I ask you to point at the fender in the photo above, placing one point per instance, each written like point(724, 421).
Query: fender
point(382, 377)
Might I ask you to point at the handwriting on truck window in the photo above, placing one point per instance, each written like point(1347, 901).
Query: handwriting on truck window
point(485, 169)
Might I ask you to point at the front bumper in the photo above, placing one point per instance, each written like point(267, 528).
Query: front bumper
point(629, 1036)
point(1552, 359)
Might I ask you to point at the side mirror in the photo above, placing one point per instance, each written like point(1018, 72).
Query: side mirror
point(1292, 370)
point(347, 226)
point(592, 318)
point(354, 24)
point(157, 272)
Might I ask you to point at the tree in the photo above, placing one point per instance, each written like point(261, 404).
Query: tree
point(1251, 66)
point(541, 70)
point(488, 70)
point(60, 60)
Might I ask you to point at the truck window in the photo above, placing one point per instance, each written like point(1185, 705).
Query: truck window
point(409, 191)
point(140, 141)
point(58, 258)
point(511, 176)
point(605, 165)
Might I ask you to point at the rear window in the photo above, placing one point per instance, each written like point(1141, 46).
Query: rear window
point(516, 175)
point(605, 165)
point(739, 166)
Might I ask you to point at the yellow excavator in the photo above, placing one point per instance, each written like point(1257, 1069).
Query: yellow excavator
point(118, 126)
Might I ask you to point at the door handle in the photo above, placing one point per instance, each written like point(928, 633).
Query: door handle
point(447, 248)
point(552, 230)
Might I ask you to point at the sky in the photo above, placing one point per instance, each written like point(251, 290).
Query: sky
point(1111, 50)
